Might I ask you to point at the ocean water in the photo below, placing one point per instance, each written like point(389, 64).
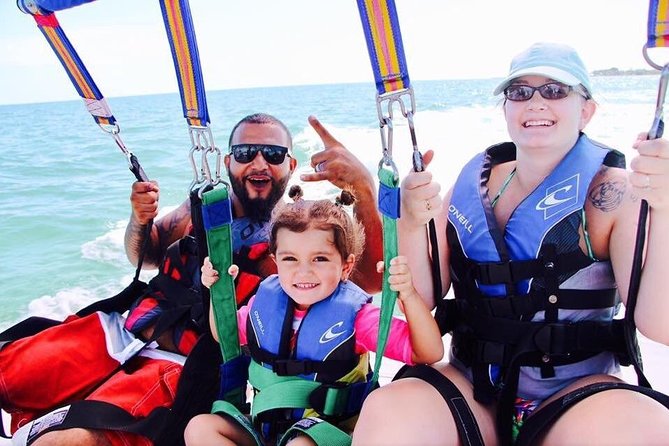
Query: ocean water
point(65, 186)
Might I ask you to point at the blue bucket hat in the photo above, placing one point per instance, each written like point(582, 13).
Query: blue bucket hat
point(552, 60)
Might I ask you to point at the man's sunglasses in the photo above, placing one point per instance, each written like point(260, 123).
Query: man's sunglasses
point(551, 91)
point(245, 153)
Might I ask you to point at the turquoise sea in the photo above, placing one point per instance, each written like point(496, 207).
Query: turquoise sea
point(65, 186)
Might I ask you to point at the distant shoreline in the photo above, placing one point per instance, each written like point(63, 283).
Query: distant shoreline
point(618, 72)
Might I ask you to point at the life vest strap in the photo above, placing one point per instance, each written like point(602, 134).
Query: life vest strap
point(529, 304)
point(516, 270)
point(499, 341)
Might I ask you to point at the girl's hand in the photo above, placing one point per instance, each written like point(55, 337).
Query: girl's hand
point(399, 278)
point(650, 171)
point(209, 274)
point(420, 196)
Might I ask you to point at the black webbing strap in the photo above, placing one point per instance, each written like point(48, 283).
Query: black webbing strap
point(97, 415)
point(292, 367)
point(468, 429)
point(541, 419)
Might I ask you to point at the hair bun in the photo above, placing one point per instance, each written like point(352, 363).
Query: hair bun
point(346, 198)
point(295, 192)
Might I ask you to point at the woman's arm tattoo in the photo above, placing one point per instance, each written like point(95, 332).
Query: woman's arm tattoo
point(608, 195)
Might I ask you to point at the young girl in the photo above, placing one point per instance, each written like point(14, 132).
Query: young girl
point(311, 313)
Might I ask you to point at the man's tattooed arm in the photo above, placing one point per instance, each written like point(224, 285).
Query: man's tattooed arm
point(163, 233)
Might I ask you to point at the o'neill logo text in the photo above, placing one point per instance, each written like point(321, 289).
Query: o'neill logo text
point(259, 321)
point(330, 334)
point(460, 218)
point(559, 197)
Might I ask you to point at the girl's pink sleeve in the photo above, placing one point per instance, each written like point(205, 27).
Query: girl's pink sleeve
point(398, 346)
point(242, 315)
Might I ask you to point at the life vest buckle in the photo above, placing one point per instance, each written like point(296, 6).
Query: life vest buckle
point(553, 339)
point(494, 273)
point(292, 367)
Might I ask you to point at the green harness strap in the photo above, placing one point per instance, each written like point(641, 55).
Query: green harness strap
point(321, 432)
point(217, 219)
point(389, 194)
point(282, 392)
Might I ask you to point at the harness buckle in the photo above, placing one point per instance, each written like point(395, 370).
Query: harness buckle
point(553, 339)
point(493, 273)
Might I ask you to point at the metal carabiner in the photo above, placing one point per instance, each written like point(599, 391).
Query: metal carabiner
point(657, 128)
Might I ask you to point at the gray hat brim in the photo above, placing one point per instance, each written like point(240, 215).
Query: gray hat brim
point(550, 72)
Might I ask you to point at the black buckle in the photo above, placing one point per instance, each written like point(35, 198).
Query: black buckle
point(319, 401)
point(552, 339)
point(493, 273)
point(292, 367)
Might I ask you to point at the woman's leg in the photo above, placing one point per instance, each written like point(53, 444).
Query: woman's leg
point(412, 411)
point(611, 417)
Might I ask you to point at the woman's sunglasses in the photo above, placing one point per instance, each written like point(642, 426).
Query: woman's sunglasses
point(551, 91)
point(245, 153)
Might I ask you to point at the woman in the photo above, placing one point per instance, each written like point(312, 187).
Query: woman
point(535, 236)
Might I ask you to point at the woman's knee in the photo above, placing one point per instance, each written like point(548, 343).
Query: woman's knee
point(617, 416)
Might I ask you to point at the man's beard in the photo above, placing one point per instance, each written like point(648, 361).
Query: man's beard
point(259, 209)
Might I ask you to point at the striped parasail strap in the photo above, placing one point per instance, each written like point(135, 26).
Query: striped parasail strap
point(96, 104)
point(658, 24)
point(393, 86)
point(658, 29)
point(384, 44)
point(181, 35)
point(76, 70)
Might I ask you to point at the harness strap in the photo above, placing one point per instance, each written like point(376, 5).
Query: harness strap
point(541, 419)
point(321, 432)
point(516, 270)
point(524, 305)
point(339, 399)
point(468, 429)
point(504, 338)
point(88, 414)
point(222, 407)
point(217, 220)
point(389, 205)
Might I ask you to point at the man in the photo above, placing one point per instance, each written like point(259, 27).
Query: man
point(140, 378)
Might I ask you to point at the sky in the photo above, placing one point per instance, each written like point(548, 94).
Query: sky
point(262, 43)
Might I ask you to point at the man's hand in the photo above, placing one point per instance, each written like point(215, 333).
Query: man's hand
point(335, 163)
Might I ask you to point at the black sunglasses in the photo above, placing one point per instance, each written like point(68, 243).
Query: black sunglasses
point(551, 91)
point(245, 153)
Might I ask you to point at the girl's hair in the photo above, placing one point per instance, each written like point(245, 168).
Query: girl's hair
point(349, 236)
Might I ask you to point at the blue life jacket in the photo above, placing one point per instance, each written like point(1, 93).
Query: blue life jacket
point(526, 294)
point(325, 341)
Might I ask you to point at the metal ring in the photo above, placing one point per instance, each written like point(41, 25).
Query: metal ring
point(649, 60)
point(320, 167)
